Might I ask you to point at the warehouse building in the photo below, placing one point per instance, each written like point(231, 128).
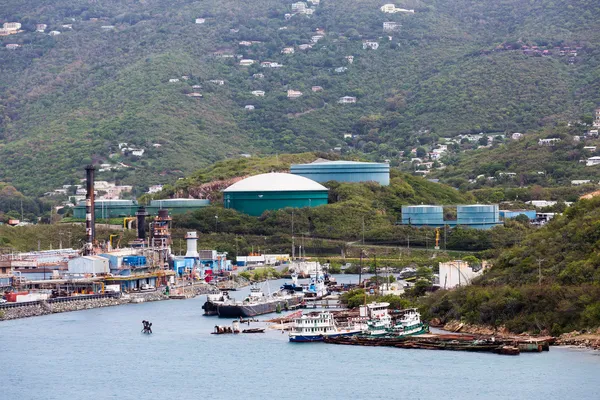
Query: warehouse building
point(344, 171)
point(274, 191)
point(127, 208)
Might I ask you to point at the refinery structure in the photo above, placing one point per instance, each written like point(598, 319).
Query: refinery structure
point(143, 264)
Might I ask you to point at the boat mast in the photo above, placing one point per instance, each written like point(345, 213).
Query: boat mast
point(360, 268)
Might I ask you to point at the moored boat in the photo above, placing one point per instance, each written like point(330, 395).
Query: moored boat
point(257, 303)
point(410, 324)
point(315, 327)
point(213, 301)
point(379, 321)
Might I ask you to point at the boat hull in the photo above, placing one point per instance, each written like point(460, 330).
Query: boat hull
point(210, 308)
point(252, 310)
point(319, 338)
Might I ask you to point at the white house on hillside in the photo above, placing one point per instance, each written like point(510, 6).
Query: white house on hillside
point(370, 44)
point(391, 9)
point(347, 100)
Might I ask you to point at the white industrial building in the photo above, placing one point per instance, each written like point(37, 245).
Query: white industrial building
point(457, 273)
point(262, 259)
point(93, 265)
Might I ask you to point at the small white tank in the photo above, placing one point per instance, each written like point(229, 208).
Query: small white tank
point(191, 239)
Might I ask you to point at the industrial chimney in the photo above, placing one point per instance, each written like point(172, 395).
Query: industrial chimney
point(90, 220)
point(141, 223)
point(191, 239)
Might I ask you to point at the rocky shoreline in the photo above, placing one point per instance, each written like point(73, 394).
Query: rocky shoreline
point(587, 340)
point(45, 308)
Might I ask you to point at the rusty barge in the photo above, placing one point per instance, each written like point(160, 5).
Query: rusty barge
point(471, 343)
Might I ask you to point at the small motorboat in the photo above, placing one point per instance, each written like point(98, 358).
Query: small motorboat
point(254, 330)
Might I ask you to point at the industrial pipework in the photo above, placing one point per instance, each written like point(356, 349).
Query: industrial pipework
point(90, 217)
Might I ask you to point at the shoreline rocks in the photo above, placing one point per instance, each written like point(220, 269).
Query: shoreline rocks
point(45, 308)
point(580, 339)
point(587, 340)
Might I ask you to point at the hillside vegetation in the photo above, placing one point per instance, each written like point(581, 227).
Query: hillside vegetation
point(71, 99)
point(533, 164)
point(550, 281)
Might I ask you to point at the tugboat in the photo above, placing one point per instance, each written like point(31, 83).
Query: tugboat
point(257, 303)
point(316, 327)
point(410, 324)
point(213, 301)
point(379, 322)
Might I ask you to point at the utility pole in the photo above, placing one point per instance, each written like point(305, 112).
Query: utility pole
point(376, 276)
point(540, 271)
point(360, 268)
point(445, 226)
point(363, 230)
point(293, 244)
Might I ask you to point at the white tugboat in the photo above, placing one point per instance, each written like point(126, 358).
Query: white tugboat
point(379, 321)
point(409, 324)
point(317, 326)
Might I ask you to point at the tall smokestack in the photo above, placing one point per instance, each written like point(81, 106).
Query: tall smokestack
point(90, 218)
point(141, 222)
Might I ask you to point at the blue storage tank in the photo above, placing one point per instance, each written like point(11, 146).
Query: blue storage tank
point(344, 171)
point(477, 214)
point(509, 214)
point(423, 215)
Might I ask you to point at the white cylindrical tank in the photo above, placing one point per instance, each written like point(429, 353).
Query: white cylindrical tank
point(191, 239)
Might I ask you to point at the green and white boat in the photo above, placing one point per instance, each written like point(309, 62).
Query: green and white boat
point(379, 323)
point(410, 324)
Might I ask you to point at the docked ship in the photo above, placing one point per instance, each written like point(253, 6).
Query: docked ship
point(257, 303)
point(213, 300)
point(410, 324)
point(316, 327)
point(316, 287)
point(379, 323)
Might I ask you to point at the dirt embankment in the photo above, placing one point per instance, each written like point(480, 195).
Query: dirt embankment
point(580, 339)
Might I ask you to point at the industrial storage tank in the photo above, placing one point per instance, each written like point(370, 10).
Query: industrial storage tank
point(344, 171)
point(423, 215)
point(476, 214)
point(107, 209)
point(274, 191)
point(176, 206)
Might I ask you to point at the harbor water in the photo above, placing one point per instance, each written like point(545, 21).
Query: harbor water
point(101, 354)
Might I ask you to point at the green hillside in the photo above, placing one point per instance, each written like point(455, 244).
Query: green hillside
point(531, 163)
point(549, 281)
point(71, 99)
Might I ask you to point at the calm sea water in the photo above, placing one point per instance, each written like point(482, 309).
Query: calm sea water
point(101, 354)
